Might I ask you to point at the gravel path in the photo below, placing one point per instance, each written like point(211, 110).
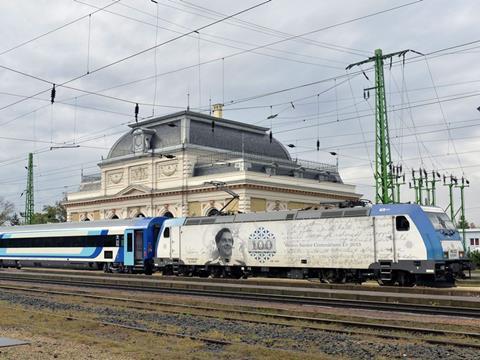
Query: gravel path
point(269, 336)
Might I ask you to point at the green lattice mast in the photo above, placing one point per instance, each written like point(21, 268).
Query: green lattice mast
point(29, 202)
point(384, 184)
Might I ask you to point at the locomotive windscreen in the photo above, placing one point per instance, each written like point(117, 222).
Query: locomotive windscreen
point(440, 221)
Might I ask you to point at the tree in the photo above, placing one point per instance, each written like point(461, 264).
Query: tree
point(15, 220)
point(51, 214)
point(463, 224)
point(6, 209)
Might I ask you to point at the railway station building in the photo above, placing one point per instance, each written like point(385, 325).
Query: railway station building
point(192, 164)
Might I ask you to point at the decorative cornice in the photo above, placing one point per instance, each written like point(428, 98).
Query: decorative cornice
point(107, 200)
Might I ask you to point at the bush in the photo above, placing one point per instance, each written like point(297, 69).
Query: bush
point(475, 258)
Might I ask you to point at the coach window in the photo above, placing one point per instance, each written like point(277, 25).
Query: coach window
point(402, 223)
point(166, 232)
point(129, 242)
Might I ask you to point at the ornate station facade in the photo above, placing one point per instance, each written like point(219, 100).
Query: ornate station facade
point(192, 164)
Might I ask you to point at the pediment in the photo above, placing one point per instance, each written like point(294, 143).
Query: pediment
point(134, 190)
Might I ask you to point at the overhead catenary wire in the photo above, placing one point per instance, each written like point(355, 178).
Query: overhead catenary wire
point(57, 28)
point(242, 42)
point(103, 67)
point(269, 31)
point(214, 23)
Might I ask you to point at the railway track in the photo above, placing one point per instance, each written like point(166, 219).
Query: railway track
point(310, 283)
point(304, 322)
point(470, 308)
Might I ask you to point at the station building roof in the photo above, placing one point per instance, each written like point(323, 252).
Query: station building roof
point(225, 135)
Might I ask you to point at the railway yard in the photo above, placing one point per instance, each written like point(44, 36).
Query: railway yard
point(64, 314)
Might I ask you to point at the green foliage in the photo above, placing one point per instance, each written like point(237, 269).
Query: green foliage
point(463, 224)
point(6, 210)
point(15, 220)
point(475, 258)
point(51, 214)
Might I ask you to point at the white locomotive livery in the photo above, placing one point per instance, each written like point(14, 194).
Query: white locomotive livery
point(398, 243)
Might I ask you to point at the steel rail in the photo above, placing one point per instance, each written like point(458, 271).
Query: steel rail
point(311, 283)
point(278, 316)
point(303, 300)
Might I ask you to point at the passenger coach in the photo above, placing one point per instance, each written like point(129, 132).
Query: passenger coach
point(121, 245)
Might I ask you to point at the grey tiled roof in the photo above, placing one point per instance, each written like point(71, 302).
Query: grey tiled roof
point(227, 135)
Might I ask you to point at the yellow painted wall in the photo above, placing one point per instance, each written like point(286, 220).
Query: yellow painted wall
point(74, 217)
point(233, 207)
point(293, 205)
point(258, 204)
point(194, 208)
point(96, 215)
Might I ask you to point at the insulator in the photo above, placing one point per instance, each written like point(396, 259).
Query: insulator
point(136, 112)
point(271, 136)
point(318, 145)
point(365, 75)
point(52, 94)
point(293, 106)
point(213, 125)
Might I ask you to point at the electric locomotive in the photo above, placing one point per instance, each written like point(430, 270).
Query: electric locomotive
point(400, 244)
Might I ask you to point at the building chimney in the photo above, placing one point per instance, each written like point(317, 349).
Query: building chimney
point(218, 110)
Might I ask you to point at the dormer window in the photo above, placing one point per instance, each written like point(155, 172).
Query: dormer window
point(142, 139)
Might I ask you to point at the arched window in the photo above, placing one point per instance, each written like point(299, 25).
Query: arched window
point(140, 215)
point(168, 214)
point(212, 212)
point(86, 219)
point(115, 216)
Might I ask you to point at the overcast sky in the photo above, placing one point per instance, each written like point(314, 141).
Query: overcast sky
point(432, 100)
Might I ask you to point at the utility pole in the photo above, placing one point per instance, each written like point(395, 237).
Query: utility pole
point(29, 201)
point(463, 223)
point(383, 177)
point(424, 176)
point(435, 178)
point(450, 182)
point(398, 180)
point(417, 186)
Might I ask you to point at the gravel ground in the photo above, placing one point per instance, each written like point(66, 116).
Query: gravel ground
point(269, 336)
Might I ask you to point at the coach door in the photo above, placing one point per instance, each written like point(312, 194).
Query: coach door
point(128, 248)
point(133, 248)
point(138, 246)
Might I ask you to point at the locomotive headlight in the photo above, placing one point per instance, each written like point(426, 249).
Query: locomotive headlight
point(461, 254)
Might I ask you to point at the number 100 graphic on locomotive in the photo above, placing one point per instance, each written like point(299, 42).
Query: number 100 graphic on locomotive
point(396, 244)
